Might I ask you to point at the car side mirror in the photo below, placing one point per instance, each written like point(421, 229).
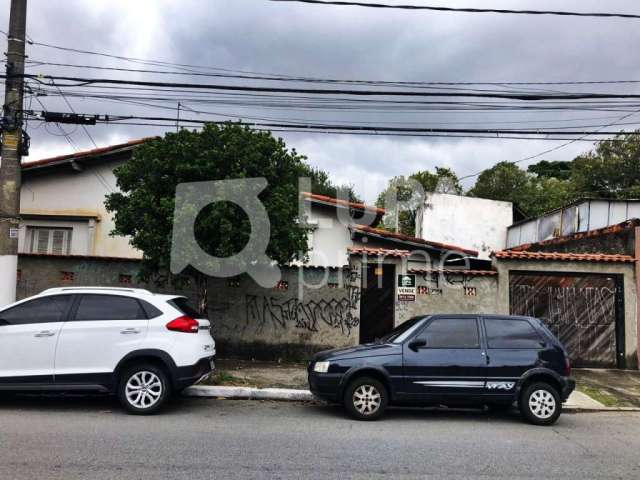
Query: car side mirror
point(417, 343)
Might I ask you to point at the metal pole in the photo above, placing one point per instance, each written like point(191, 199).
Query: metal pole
point(10, 174)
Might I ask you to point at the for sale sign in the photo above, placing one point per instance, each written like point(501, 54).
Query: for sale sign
point(406, 288)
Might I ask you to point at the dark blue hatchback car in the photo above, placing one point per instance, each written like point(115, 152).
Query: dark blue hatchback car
point(450, 360)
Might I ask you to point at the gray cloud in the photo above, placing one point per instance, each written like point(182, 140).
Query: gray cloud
point(340, 42)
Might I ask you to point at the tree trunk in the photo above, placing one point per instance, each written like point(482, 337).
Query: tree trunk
point(202, 291)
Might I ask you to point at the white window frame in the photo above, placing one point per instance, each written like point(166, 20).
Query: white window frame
point(34, 235)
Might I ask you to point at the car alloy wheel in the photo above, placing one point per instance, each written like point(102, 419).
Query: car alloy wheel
point(542, 404)
point(367, 399)
point(144, 389)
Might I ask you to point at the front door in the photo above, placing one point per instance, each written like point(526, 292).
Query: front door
point(445, 358)
point(376, 301)
point(28, 336)
point(101, 330)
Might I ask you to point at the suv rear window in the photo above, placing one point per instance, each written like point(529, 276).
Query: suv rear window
point(183, 305)
point(511, 333)
point(108, 307)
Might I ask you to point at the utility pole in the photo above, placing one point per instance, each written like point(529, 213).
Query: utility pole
point(10, 156)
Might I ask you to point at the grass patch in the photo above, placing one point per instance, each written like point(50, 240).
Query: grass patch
point(223, 378)
point(599, 395)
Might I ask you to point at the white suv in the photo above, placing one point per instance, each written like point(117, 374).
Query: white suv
point(139, 345)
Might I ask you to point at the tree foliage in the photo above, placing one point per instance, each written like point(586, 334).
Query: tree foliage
point(611, 170)
point(443, 180)
point(532, 193)
point(144, 206)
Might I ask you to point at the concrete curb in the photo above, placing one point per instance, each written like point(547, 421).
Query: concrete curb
point(292, 395)
point(250, 393)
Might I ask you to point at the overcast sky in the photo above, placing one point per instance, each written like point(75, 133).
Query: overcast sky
point(340, 42)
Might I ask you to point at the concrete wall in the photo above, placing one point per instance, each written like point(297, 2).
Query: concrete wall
point(630, 293)
point(468, 222)
point(440, 293)
point(291, 321)
point(78, 194)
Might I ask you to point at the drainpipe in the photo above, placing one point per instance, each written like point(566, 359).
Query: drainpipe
point(637, 255)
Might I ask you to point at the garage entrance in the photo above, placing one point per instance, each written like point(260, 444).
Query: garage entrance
point(586, 312)
point(376, 302)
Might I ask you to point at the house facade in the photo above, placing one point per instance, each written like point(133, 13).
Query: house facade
point(359, 281)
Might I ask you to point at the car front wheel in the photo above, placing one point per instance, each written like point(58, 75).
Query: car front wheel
point(143, 389)
point(540, 404)
point(366, 398)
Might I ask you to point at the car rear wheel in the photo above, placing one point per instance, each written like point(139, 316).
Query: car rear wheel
point(366, 398)
point(540, 404)
point(143, 389)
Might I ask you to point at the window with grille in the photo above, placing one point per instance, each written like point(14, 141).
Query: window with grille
point(47, 240)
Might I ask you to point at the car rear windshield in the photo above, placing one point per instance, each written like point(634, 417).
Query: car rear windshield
point(185, 307)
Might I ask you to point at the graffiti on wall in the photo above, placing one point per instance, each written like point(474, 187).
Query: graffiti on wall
point(580, 310)
point(310, 315)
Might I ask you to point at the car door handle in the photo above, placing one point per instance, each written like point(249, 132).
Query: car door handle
point(45, 333)
point(129, 331)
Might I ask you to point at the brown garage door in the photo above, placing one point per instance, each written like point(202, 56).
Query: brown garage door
point(583, 311)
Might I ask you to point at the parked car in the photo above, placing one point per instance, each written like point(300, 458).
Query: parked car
point(131, 342)
point(450, 360)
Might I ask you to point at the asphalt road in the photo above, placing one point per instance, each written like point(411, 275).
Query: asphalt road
point(90, 438)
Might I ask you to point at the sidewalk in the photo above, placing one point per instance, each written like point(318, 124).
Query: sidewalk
point(597, 390)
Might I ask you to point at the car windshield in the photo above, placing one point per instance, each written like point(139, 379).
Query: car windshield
point(397, 332)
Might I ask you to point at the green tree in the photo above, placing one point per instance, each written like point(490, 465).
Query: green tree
point(443, 180)
point(144, 207)
point(534, 194)
point(548, 169)
point(322, 185)
point(612, 170)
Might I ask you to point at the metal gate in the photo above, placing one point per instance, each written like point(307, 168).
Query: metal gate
point(584, 311)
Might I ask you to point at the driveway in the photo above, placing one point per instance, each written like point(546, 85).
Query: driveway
point(79, 438)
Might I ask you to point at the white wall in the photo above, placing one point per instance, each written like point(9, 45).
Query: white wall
point(329, 240)
point(468, 222)
point(80, 195)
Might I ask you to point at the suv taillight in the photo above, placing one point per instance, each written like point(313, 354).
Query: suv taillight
point(183, 324)
point(567, 367)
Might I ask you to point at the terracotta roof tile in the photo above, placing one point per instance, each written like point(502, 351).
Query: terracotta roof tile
point(344, 203)
point(566, 257)
point(455, 271)
point(374, 252)
point(407, 238)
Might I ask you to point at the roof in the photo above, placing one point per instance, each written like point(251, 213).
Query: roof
point(573, 203)
point(612, 229)
point(378, 232)
point(323, 199)
point(455, 271)
point(80, 257)
point(563, 257)
point(85, 154)
point(374, 252)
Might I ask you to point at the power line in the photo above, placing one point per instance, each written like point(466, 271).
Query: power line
point(466, 10)
point(82, 81)
point(558, 147)
point(366, 128)
point(290, 78)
